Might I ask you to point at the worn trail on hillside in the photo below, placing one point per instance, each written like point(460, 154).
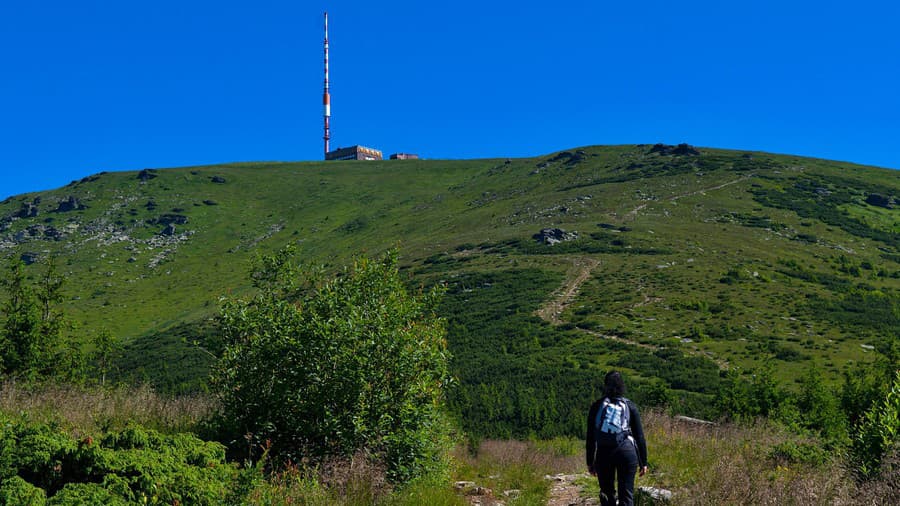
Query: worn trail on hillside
point(565, 294)
point(633, 213)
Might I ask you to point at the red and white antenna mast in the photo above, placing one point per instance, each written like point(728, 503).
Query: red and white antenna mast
point(326, 96)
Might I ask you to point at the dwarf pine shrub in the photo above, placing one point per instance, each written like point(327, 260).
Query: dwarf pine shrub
point(131, 466)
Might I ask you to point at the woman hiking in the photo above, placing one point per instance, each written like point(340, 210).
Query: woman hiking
point(615, 443)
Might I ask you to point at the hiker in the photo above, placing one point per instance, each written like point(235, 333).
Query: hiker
point(615, 443)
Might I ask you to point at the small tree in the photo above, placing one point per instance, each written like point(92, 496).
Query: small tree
point(878, 433)
point(106, 346)
point(329, 368)
point(820, 407)
point(20, 320)
point(32, 326)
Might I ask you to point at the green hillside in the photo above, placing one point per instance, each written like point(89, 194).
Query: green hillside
point(685, 263)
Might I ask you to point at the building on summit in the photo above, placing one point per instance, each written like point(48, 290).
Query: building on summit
point(404, 156)
point(354, 153)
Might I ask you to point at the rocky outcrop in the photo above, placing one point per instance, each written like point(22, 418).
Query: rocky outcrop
point(70, 204)
point(169, 230)
point(568, 157)
point(169, 219)
point(53, 234)
point(28, 210)
point(552, 236)
point(146, 175)
point(679, 150)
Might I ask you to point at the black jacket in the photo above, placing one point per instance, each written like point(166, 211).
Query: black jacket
point(637, 432)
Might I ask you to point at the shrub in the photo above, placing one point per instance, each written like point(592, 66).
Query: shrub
point(790, 452)
point(327, 369)
point(15, 490)
point(878, 433)
point(133, 465)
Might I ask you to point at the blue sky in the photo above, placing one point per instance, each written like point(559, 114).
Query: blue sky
point(94, 85)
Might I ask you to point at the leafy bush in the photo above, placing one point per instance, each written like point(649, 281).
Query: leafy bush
point(878, 433)
point(329, 368)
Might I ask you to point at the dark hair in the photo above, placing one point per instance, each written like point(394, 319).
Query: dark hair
point(613, 386)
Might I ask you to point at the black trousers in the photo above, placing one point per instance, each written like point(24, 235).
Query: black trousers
point(620, 462)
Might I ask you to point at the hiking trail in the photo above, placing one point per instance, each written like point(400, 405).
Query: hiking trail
point(565, 492)
point(565, 294)
point(633, 213)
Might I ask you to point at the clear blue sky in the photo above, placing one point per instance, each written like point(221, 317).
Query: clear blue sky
point(89, 85)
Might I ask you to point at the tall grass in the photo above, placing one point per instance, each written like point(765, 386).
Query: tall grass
point(519, 465)
point(359, 481)
point(94, 409)
point(759, 464)
point(499, 466)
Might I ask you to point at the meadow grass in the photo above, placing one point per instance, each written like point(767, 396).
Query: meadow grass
point(741, 464)
point(94, 409)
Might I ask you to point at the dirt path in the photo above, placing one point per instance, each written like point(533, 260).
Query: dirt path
point(633, 213)
point(565, 294)
point(704, 190)
point(581, 270)
point(565, 492)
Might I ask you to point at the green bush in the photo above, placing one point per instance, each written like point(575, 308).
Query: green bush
point(131, 466)
point(327, 369)
point(16, 491)
point(878, 433)
point(791, 452)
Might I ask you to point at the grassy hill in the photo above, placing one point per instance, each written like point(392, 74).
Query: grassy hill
point(686, 262)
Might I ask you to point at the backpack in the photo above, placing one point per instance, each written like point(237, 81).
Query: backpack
point(611, 427)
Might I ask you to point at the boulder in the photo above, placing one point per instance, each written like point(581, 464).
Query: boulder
point(169, 230)
point(552, 236)
point(656, 495)
point(29, 258)
point(477, 490)
point(218, 179)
